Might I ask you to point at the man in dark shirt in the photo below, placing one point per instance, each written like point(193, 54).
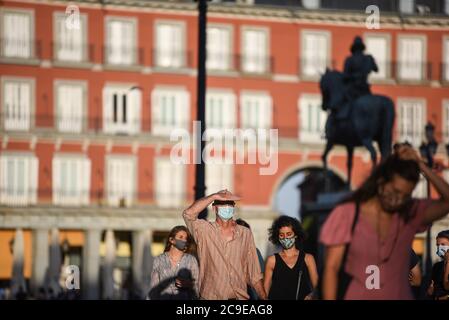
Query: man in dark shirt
point(439, 287)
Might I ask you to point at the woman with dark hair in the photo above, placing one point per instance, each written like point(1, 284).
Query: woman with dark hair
point(439, 286)
point(175, 272)
point(369, 236)
point(290, 274)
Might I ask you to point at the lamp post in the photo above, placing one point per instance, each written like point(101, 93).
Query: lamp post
point(427, 151)
point(200, 185)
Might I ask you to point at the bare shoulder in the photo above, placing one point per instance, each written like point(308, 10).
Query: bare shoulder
point(271, 260)
point(309, 258)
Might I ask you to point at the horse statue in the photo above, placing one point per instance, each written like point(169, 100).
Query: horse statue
point(355, 123)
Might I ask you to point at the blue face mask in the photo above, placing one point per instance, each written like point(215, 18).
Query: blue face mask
point(441, 250)
point(287, 243)
point(225, 213)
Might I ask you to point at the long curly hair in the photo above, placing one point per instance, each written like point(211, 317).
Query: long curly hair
point(286, 221)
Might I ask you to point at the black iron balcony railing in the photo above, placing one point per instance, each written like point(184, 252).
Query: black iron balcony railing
point(123, 55)
point(255, 64)
point(20, 49)
point(172, 59)
point(72, 53)
point(314, 67)
point(412, 71)
point(444, 72)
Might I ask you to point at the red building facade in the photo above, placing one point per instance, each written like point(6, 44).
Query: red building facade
point(88, 105)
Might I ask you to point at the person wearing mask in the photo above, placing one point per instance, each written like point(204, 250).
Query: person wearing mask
point(439, 286)
point(175, 272)
point(368, 237)
point(291, 274)
point(226, 251)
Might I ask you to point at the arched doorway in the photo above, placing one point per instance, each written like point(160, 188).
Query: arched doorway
point(304, 185)
point(298, 196)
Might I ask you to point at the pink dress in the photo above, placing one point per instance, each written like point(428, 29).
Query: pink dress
point(392, 256)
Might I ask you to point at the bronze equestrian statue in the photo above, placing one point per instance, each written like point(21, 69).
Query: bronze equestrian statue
point(356, 117)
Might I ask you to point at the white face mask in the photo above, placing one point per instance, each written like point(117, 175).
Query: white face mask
point(441, 250)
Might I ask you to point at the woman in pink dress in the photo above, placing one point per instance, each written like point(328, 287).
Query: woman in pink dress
point(379, 237)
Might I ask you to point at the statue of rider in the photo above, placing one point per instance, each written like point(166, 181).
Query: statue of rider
point(357, 68)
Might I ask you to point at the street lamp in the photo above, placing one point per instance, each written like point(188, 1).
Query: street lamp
point(200, 184)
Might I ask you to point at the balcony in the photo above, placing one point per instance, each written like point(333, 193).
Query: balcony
point(172, 59)
point(123, 56)
point(75, 55)
point(444, 73)
point(18, 51)
point(312, 69)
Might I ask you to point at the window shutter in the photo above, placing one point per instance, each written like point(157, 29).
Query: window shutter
point(155, 112)
point(134, 110)
point(25, 100)
point(4, 185)
point(57, 175)
point(77, 108)
point(85, 185)
point(213, 48)
point(33, 183)
point(128, 49)
point(164, 45)
point(77, 42)
point(377, 47)
point(178, 46)
point(177, 180)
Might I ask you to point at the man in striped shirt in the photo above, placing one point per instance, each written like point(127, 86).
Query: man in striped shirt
point(226, 250)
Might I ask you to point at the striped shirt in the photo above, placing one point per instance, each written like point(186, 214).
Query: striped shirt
point(163, 278)
point(226, 267)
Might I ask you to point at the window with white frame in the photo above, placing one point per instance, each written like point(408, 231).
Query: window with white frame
point(412, 115)
point(379, 47)
point(70, 102)
point(445, 121)
point(70, 40)
point(17, 103)
point(170, 45)
point(219, 176)
point(170, 183)
point(170, 110)
point(18, 179)
point(121, 180)
point(407, 6)
point(220, 109)
point(411, 64)
point(71, 180)
point(17, 34)
point(219, 48)
point(256, 110)
point(255, 52)
point(121, 41)
point(121, 109)
point(312, 119)
point(446, 59)
point(314, 52)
